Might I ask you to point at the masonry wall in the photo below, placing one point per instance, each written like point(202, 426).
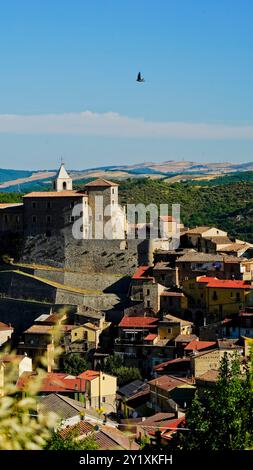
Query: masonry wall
point(20, 286)
point(89, 256)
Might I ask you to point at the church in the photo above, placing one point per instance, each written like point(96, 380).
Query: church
point(49, 212)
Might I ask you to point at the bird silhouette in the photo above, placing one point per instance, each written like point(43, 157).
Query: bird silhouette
point(140, 78)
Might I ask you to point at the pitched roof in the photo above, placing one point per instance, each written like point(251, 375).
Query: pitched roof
point(219, 240)
point(3, 326)
point(185, 338)
point(197, 345)
point(48, 194)
point(235, 247)
point(52, 382)
point(171, 294)
point(110, 438)
point(5, 205)
point(143, 272)
point(169, 382)
point(159, 420)
point(62, 173)
point(210, 376)
point(138, 322)
point(150, 337)
point(162, 365)
point(199, 257)
point(100, 182)
point(81, 428)
point(224, 283)
point(48, 329)
point(198, 230)
point(63, 406)
point(107, 438)
point(133, 388)
point(89, 375)
point(171, 318)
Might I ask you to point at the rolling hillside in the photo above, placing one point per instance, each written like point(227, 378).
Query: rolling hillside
point(225, 202)
point(172, 171)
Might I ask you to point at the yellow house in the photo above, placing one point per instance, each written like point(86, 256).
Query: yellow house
point(218, 296)
point(170, 327)
point(88, 332)
point(100, 390)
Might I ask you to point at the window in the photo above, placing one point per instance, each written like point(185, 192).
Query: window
point(49, 204)
point(113, 191)
point(48, 219)
point(64, 185)
point(238, 297)
point(34, 205)
point(169, 330)
point(148, 292)
point(215, 296)
point(103, 399)
point(148, 303)
point(72, 204)
point(34, 219)
point(6, 218)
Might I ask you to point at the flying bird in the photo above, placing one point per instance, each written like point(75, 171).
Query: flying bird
point(140, 78)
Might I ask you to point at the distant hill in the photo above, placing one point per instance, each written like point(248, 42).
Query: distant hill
point(7, 175)
point(228, 206)
point(22, 180)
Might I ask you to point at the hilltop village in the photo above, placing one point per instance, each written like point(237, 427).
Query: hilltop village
point(140, 326)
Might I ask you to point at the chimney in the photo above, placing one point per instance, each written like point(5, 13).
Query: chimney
point(50, 357)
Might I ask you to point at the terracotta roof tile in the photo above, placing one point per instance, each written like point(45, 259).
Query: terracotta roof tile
point(150, 337)
point(169, 382)
point(143, 272)
point(100, 182)
point(199, 345)
point(135, 322)
point(46, 194)
point(223, 283)
point(89, 375)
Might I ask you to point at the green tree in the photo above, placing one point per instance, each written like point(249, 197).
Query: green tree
point(56, 442)
point(75, 364)
point(222, 420)
point(124, 374)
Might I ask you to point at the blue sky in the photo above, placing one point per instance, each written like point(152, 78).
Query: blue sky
point(67, 81)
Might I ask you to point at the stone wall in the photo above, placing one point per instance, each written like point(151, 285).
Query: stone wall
point(89, 256)
point(19, 286)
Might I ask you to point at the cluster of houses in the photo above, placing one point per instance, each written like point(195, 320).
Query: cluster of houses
point(184, 312)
